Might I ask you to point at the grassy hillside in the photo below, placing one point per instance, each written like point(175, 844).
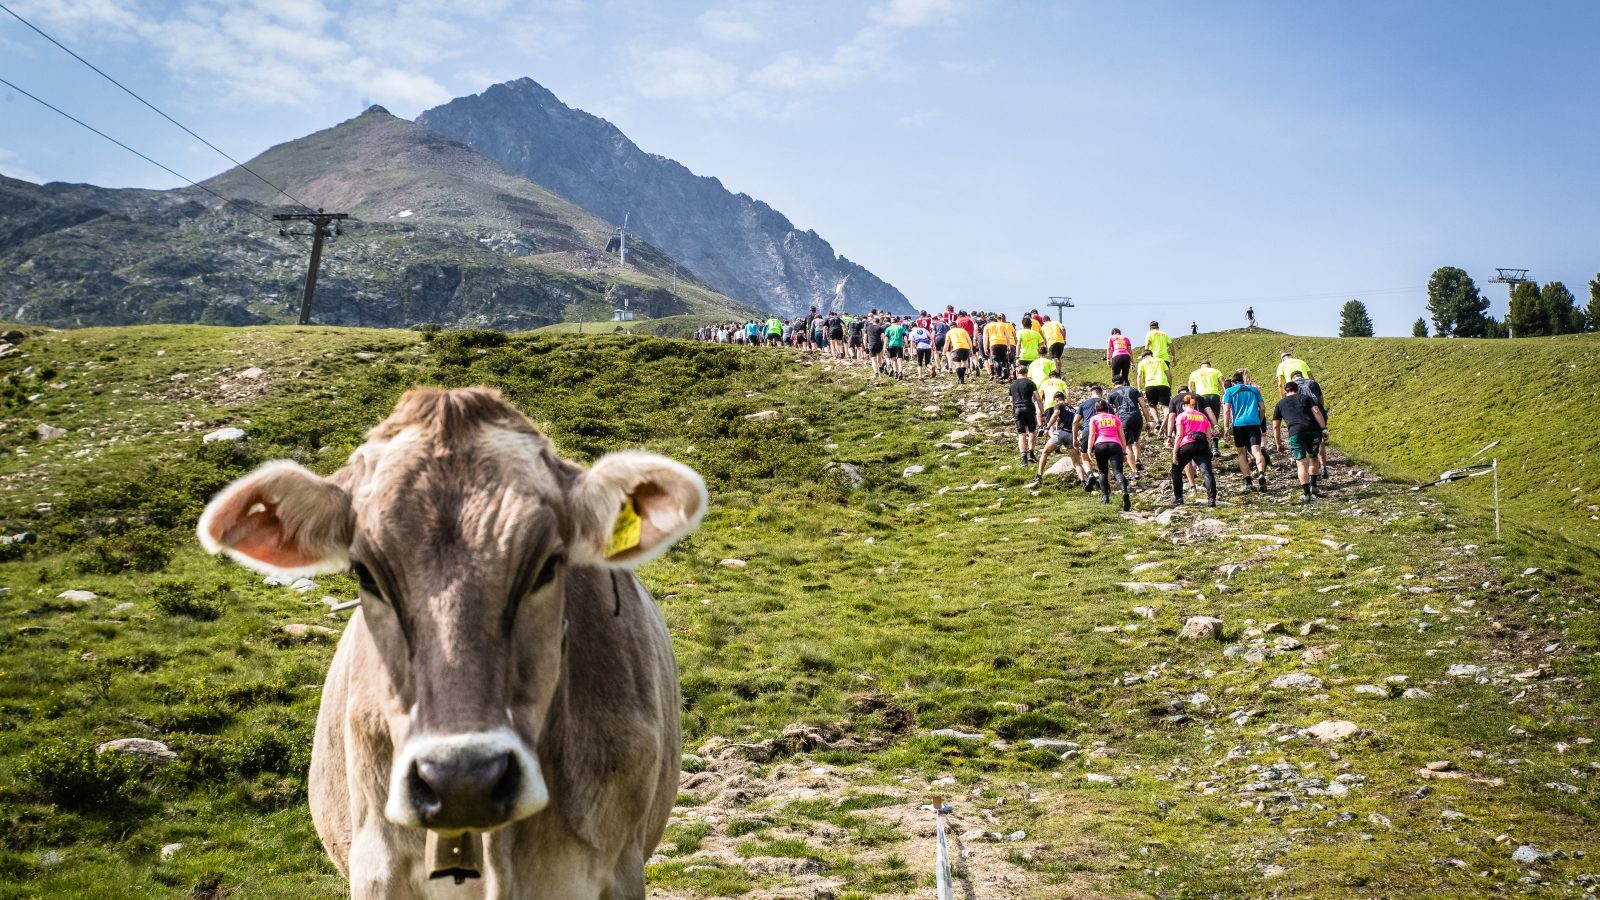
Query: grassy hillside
point(1417, 406)
point(875, 607)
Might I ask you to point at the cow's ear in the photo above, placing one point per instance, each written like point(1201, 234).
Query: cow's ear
point(282, 520)
point(630, 507)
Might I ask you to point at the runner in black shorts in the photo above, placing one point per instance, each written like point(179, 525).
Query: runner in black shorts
point(857, 327)
point(1124, 401)
point(1000, 359)
point(1025, 408)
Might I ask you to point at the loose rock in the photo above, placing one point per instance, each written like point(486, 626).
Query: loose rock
point(154, 751)
point(1333, 730)
point(1202, 628)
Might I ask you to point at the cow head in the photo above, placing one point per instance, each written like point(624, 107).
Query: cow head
point(459, 521)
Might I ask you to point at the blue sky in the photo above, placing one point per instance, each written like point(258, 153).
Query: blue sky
point(1152, 160)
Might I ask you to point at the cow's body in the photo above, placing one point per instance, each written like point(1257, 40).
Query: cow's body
point(507, 675)
point(610, 750)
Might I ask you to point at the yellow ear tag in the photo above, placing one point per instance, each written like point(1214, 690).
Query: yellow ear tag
point(625, 536)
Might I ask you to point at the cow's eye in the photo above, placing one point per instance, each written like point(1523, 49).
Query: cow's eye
point(369, 585)
point(547, 573)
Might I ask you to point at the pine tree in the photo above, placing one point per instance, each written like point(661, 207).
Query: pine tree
point(1455, 304)
point(1561, 312)
point(1526, 316)
point(1354, 321)
point(1593, 323)
point(1420, 329)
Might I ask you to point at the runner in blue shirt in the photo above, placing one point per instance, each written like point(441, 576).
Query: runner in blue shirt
point(1242, 407)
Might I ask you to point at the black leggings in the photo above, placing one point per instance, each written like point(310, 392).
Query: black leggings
point(1120, 364)
point(1199, 453)
point(1108, 455)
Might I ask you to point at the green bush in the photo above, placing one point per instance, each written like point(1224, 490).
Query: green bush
point(184, 598)
point(140, 550)
point(71, 774)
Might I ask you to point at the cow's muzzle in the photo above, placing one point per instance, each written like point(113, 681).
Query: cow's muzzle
point(465, 782)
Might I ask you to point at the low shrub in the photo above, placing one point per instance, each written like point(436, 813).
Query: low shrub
point(185, 598)
point(72, 775)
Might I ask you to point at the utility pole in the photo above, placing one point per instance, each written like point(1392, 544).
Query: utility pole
point(320, 221)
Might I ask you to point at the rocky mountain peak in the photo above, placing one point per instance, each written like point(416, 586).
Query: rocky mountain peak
point(734, 243)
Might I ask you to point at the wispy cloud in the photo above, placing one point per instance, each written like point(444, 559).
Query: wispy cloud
point(307, 52)
point(10, 167)
point(916, 13)
point(729, 26)
point(870, 52)
point(681, 73)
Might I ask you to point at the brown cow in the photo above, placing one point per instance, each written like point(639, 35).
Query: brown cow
point(506, 674)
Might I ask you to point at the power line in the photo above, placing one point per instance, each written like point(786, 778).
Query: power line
point(1262, 300)
point(129, 92)
point(59, 111)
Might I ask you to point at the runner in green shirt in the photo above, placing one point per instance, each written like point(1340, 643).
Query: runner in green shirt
point(1029, 340)
point(1158, 343)
point(1287, 368)
point(894, 337)
point(1156, 382)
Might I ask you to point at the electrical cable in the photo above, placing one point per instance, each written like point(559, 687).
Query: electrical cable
point(1255, 300)
point(152, 106)
point(59, 111)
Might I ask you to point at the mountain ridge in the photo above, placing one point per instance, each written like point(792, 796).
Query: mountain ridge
point(440, 234)
point(735, 243)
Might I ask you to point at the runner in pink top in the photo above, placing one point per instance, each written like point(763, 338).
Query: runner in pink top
point(1192, 428)
point(1109, 445)
point(1119, 353)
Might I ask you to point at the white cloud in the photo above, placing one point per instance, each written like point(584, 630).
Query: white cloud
point(681, 73)
point(728, 26)
point(916, 13)
point(309, 53)
point(9, 167)
point(918, 119)
point(870, 52)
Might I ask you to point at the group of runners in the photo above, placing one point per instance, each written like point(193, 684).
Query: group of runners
point(1104, 434)
point(954, 342)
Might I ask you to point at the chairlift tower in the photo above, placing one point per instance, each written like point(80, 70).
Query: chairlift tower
point(1061, 303)
point(1511, 278)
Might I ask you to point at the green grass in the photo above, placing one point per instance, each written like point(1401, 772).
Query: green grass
point(884, 612)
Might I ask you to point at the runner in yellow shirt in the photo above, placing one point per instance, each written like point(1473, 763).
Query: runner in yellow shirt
point(1001, 339)
point(1156, 382)
point(958, 344)
point(1158, 343)
point(1055, 340)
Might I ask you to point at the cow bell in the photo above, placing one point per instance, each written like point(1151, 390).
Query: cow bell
point(459, 857)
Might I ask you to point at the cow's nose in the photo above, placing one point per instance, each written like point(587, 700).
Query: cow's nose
point(463, 790)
